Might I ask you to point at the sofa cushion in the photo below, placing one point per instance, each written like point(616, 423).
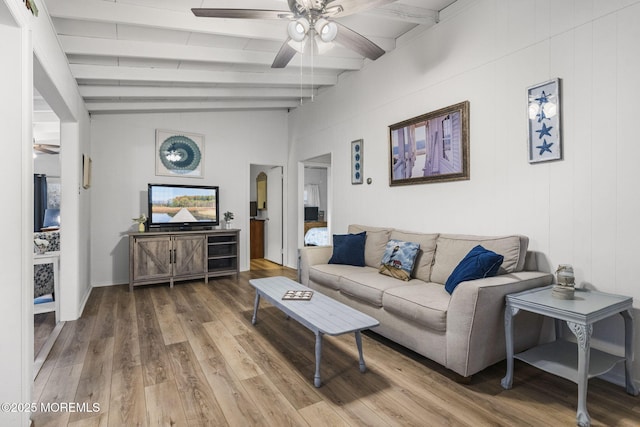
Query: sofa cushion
point(348, 249)
point(399, 258)
point(327, 274)
point(424, 260)
point(451, 249)
point(477, 264)
point(377, 239)
point(368, 285)
point(420, 302)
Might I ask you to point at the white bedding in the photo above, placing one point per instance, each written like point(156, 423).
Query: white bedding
point(317, 236)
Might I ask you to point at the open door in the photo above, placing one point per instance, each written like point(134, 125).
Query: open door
point(273, 224)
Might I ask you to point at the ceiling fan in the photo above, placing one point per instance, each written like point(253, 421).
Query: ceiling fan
point(310, 20)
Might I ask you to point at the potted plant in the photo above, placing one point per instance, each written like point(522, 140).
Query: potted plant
point(228, 219)
point(141, 220)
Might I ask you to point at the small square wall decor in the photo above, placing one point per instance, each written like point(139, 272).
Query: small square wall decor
point(543, 109)
point(179, 154)
point(357, 157)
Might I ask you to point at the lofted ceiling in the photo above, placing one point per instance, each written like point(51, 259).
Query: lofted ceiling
point(155, 56)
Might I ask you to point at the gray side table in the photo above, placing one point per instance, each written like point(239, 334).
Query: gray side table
point(576, 362)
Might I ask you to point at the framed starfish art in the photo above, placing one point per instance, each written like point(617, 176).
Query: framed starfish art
point(543, 110)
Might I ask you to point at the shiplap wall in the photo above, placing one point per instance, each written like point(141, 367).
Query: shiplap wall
point(124, 163)
point(582, 210)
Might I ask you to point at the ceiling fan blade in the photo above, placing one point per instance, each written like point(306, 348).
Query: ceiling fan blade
point(241, 13)
point(44, 148)
point(284, 56)
point(349, 7)
point(359, 43)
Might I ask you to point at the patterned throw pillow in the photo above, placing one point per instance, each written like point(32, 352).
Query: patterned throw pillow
point(398, 259)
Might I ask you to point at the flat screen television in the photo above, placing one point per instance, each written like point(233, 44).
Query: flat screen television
point(183, 207)
point(310, 213)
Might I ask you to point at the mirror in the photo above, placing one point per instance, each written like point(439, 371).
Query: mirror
point(261, 185)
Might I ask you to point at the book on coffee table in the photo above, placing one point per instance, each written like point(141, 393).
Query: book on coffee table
point(298, 295)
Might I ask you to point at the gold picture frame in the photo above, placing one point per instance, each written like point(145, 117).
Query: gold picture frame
point(433, 147)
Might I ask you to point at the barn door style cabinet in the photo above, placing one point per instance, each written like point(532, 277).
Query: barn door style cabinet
point(159, 257)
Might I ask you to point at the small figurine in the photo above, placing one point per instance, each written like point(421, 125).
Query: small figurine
point(141, 220)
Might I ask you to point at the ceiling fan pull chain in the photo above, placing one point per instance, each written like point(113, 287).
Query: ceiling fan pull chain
point(301, 86)
point(312, 45)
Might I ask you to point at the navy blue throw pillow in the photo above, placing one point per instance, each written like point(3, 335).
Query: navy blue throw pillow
point(477, 264)
point(348, 249)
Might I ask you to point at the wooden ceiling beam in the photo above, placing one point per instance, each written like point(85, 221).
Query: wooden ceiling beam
point(92, 46)
point(133, 74)
point(159, 107)
point(194, 93)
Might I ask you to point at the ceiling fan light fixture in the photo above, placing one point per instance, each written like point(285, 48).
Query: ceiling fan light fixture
point(322, 47)
point(298, 46)
point(327, 30)
point(298, 29)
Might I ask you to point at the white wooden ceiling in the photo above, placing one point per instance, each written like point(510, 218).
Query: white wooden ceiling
point(156, 56)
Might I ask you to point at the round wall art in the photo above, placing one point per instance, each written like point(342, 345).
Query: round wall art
point(179, 154)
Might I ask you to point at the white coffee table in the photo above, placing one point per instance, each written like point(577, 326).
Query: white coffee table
point(320, 314)
point(576, 362)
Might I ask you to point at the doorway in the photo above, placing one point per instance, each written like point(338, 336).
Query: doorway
point(266, 239)
point(315, 201)
point(47, 211)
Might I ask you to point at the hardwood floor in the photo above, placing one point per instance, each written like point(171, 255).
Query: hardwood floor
point(189, 356)
point(43, 325)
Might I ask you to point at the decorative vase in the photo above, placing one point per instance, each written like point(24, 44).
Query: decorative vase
point(40, 250)
point(141, 227)
point(564, 275)
point(565, 281)
point(227, 225)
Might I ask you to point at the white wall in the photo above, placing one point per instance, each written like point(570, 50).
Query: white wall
point(48, 164)
point(582, 210)
point(123, 148)
point(53, 79)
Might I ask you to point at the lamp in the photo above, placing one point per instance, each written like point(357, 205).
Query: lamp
point(298, 29)
point(326, 30)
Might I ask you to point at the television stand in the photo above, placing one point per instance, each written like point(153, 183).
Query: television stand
point(169, 256)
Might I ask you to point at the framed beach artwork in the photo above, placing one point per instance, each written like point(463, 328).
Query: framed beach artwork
point(433, 147)
point(179, 154)
point(543, 108)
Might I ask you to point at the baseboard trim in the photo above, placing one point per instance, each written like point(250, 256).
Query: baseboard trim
point(44, 351)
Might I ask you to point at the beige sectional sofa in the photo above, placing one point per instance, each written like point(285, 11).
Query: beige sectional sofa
point(463, 331)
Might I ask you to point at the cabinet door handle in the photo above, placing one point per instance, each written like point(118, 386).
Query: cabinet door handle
point(174, 256)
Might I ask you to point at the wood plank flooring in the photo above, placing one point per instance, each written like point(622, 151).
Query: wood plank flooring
point(189, 356)
point(43, 325)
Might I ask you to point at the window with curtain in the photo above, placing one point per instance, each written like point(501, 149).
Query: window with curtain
point(311, 195)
